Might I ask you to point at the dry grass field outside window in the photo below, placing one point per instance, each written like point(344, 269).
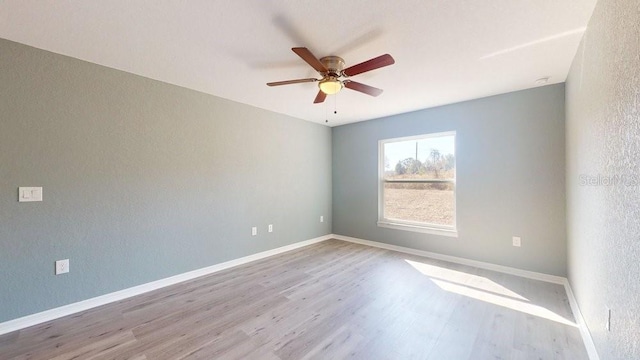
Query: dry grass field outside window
point(419, 202)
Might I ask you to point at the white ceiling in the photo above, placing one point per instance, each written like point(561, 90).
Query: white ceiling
point(446, 51)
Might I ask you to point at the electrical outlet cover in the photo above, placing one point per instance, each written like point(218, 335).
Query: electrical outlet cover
point(62, 266)
point(517, 241)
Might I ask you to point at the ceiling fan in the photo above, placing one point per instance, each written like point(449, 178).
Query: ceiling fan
point(335, 76)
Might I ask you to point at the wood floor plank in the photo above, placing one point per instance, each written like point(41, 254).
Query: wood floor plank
point(338, 345)
point(10, 338)
point(331, 300)
point(98, 348)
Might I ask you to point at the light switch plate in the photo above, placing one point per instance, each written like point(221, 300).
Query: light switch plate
point(29, 194)
point(254, 231)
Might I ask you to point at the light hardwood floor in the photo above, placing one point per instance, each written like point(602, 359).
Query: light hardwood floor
point(332, 300)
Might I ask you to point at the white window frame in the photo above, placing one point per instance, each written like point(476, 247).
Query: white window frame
point(437, 229)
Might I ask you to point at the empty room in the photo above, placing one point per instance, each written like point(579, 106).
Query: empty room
point(270, 179)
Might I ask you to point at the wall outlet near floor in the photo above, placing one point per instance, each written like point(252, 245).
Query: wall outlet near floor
point(517, 241)
point(254, 231)
point(62, 266)
point(321, 218)
point(607, 324)
point(270, 227)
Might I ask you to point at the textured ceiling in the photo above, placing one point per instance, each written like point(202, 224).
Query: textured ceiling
point(446, 51)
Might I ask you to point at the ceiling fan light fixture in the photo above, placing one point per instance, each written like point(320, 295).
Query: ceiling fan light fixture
point(330, 85)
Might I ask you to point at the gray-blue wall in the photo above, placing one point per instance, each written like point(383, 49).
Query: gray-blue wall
point(142, 180)
point(603, 177)
point(510, 178)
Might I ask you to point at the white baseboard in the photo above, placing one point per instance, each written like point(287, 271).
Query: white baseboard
point(582, 326)
point(48, 315)
point(458, 260)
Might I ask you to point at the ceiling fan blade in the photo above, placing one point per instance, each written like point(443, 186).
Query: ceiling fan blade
point(307, 56)
point(372, 64)
point(369, 90)
point(287, 82)
point(320, 97)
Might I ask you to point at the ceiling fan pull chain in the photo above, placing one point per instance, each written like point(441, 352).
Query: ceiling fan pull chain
point(326, 118)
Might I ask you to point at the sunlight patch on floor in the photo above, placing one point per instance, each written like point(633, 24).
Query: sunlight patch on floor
point(483, 289)
point(470, 280)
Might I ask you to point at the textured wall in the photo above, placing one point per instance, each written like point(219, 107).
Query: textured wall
point(510, 178)
point(142, 180)
point(603, 177)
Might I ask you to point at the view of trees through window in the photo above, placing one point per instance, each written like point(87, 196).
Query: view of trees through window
point(419, 180)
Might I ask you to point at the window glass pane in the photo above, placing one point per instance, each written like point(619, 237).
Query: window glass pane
point(429, 158)
point(431, 203)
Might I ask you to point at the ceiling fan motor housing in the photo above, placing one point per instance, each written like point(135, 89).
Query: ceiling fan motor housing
point(335, 64)
point(330, 83)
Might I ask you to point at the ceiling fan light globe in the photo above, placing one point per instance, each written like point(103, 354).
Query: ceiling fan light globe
point(330, 86)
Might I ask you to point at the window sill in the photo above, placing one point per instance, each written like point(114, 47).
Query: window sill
point(417, 228)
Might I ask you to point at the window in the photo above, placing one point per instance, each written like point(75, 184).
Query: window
point(418, 183)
